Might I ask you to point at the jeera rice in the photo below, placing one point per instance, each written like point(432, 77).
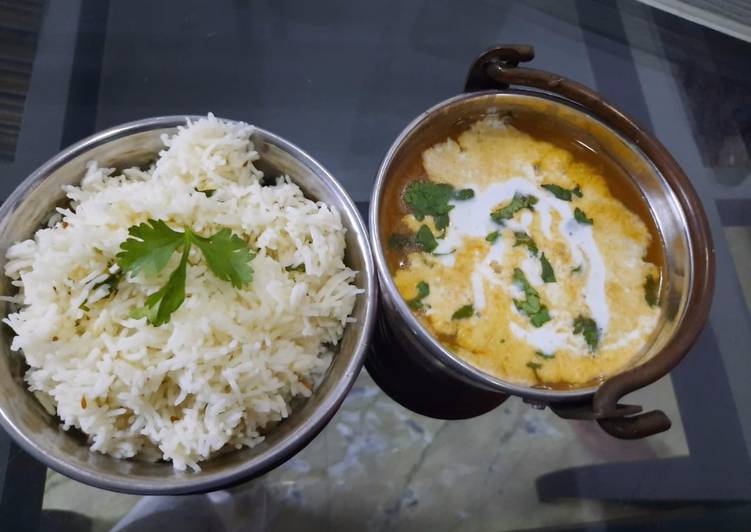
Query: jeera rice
point(225, 367)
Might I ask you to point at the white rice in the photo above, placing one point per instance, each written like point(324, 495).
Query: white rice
point(224, 368)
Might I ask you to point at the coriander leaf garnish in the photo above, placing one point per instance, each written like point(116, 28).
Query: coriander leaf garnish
point(161, 304)
point(578, 269)
point(530, 306)
point(543, 355)
point(508, 211)
point(464, 194)
point(523, 239)
point(441, 221)
point(415, 304)
point(548, 275)
point(149, 248)
point(541, 317)
point(298, 268)
point(533, 365)
point(561, 193)
point(423, 291)
point(651, 289)
point(492, 237)
point(425, 239)
point(112, 281)
point(227, 256)
point(587, 327)
point(425, 198)
point(467, 311)
point(581, 217)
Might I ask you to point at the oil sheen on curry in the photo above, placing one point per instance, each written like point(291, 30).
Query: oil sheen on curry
point(529, 258)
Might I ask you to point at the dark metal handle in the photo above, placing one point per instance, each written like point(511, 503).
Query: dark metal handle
point(507, 55)
point(497, 69)
point(635, 427)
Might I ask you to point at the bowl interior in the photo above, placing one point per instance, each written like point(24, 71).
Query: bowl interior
point(641, 180)
point(38, 432)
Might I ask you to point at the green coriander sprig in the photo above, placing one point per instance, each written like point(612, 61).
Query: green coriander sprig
point(149, 248)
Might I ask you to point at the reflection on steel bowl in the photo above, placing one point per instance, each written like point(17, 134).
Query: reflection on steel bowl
point(198, 310)
point(538, 245)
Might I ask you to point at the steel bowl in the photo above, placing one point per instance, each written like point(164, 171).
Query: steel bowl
point(431, 379)
point(40, 434)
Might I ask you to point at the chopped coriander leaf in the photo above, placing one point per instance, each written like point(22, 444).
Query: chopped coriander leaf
point(541, 317)
point(587, 327)
point(533, 365)
point(112, 281)
point(581, 217)
point(423, 291)
point(561, 193)
point(298, 268)
point(464, 194)
point(425, 239)
point(530, 306)
point(558, 191)
point(543, 355)
point(521, 279)
point(578, 269)
point(523, 239)
point(425, 198)
point(441, 221)
point(492, 237)
point(548, 275)
point(651, 289)
point(467, 311)
point(518, 203)
point(398, 240)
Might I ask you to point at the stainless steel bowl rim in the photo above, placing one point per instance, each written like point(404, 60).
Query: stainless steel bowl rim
point(390, 293)
point(271, 457)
